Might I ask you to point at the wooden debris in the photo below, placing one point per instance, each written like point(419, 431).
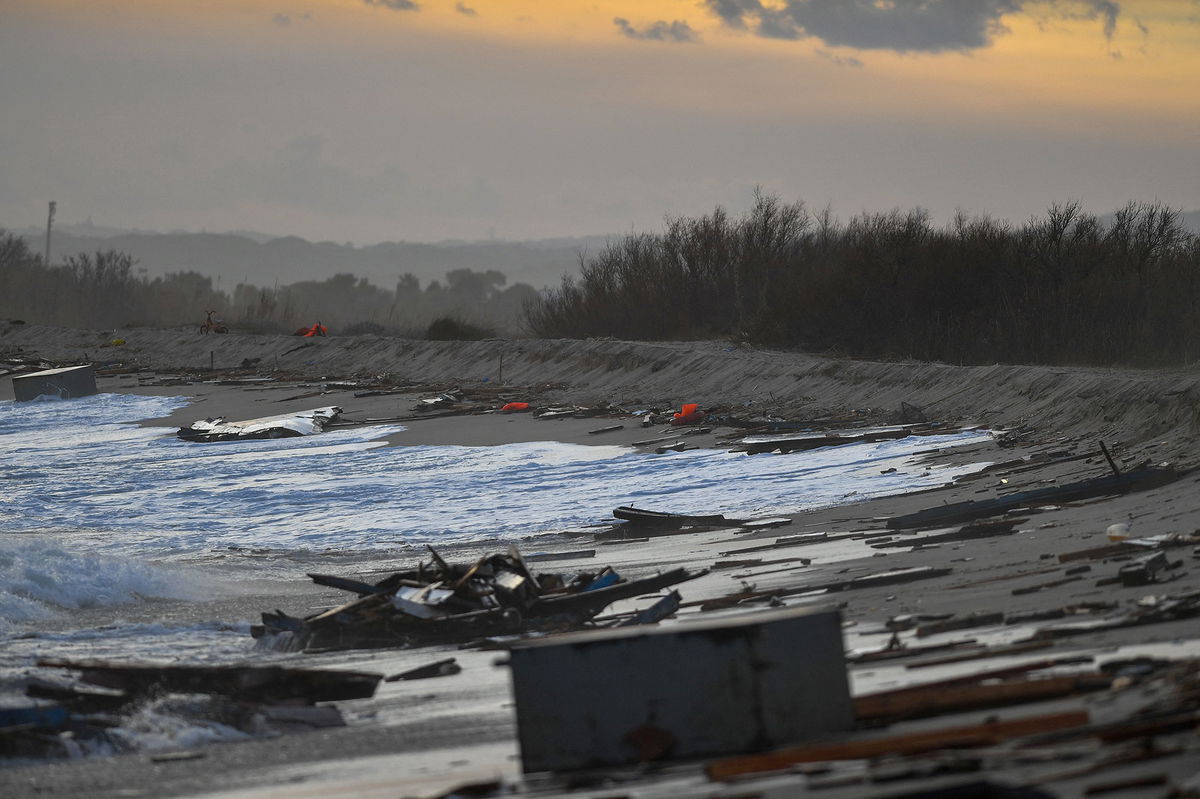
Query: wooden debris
point(933, 699)
point(609, 429)
point(1140, 480)
point(960, 623)
point(966, 533)
point(801, 443)
point(271, 684)
point(988, 733)
point(1005, 650)
point(539, 557)
point(440, 668)
point(1033, 589)
point(449, 603)
point(667, 606)
point(1143, 571)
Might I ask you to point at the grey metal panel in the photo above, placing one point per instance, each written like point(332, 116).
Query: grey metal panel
point(713, 687)
point(66, 383)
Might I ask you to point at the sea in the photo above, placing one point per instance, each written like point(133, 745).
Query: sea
point(117, 538)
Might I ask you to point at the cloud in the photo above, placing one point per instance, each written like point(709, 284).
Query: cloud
point(465, 10)
point(926, 26)
point(394, 5)
point(660, 31)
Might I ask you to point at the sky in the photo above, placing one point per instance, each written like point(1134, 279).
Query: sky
point(424, 120)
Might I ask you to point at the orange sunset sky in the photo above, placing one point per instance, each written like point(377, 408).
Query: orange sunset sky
point(372, 120)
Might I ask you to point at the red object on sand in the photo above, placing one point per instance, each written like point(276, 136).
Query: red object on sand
point(316, 330)
point(688, 414)
point(513, 407)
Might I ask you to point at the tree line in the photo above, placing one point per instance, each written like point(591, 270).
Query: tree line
point(105, 290)
point(1063, 288)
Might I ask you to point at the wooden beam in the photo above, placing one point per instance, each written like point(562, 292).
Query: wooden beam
point(974, 735)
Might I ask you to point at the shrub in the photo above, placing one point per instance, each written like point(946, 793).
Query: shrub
point(449, 328)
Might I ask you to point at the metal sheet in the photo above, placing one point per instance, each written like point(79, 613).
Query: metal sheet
point(705, 688)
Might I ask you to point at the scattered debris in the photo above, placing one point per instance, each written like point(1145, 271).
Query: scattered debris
point(975, 530)
point(955, 512)
point(761, 444)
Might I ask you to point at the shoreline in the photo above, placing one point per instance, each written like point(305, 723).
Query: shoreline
point(424, 753)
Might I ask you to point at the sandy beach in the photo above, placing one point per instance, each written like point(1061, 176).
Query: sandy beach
point(1049, 423)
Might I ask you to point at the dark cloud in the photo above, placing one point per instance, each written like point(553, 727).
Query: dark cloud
point(660, 31)
point(395, 5)
point(465, 10)
point(928, 26)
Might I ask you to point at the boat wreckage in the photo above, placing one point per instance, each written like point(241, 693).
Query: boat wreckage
point(287, 425)
point(443, 603)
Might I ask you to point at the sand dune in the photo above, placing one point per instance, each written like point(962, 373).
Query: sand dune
point(1126, 404)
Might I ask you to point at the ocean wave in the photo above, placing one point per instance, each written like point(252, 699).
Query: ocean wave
point(40, 577)
point(143, 492)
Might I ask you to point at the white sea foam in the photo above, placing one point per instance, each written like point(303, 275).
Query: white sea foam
point(143, 492)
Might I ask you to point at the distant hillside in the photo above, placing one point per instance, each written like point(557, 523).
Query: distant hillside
point(235, 258)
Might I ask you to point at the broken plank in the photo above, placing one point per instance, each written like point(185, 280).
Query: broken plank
point(537, 557)
point(987, 652)
point(960, 623)
point(934, 699)
point(609, 429)
point(440, 668)
point(1033, 589)
point(344, 584)
point(988, 733)
point(275, 684)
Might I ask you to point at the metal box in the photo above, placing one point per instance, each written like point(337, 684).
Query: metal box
point(691, 689)
point(66, 383)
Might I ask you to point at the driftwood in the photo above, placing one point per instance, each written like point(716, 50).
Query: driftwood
point(262, 684)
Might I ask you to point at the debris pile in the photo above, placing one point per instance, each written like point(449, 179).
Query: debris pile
point(440, 603)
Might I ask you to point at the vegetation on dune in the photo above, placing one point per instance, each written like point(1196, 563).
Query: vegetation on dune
point(105, 291)
point(1063, 288)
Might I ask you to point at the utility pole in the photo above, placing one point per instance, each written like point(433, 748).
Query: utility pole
point(49, 222)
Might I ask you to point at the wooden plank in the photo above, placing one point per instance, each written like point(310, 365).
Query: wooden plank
point(1018, 648)
point(930, 700)
point(975, 735)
